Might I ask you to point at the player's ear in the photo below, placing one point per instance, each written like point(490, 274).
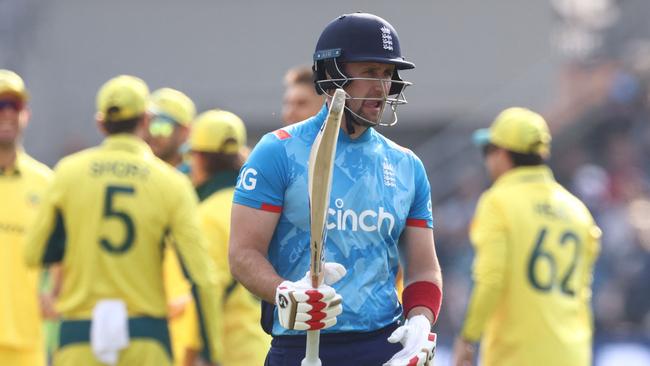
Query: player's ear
point(142, 128)
point(184, 132)
point(99, 120)
point(145, 121)
point(23, 117)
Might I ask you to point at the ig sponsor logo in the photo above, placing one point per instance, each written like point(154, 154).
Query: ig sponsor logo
point(247, 179)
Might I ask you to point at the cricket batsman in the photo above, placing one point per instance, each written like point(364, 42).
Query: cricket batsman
point(379, 194)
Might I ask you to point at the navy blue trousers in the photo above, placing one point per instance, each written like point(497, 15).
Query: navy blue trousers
point(336, 349)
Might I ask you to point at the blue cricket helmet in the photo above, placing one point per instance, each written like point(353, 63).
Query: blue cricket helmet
point(357, 37)
point(360, 37)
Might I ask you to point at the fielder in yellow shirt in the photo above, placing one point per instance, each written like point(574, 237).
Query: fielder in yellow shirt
point(172, 113)
point(104, 218)
point(535, 245)
point(23, 181)
point(217, 145)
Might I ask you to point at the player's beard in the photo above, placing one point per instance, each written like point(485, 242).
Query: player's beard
point(372, 116)
point(168, 151)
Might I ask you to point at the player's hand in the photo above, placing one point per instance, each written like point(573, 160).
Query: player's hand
point(176, 306)
point(302, 307)
point(464, 353)
point(419, 344)
point(47, 301)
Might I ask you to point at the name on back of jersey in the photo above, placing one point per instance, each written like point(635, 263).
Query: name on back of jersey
point(118, 168)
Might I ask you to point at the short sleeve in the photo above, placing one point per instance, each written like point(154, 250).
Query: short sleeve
point(262, 179)
point(420, 212)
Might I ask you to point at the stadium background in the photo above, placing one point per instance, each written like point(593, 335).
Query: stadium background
point(584, 64)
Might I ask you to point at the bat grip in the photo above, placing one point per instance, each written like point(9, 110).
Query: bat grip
point(313, 336)
point(311, 351)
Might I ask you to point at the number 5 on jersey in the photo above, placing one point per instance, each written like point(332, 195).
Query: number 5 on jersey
point(113, 213)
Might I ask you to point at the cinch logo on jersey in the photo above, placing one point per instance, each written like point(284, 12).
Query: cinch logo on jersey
point(367, 220)
point(247, 179)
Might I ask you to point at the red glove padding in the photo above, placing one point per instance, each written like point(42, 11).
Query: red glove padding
point(418, 342)
point(302, 307)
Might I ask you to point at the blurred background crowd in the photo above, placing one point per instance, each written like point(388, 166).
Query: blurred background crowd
point(583, 64)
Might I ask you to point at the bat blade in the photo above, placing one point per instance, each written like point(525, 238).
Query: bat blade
point(321, 162)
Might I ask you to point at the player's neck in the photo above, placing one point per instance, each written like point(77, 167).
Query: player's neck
point(8, 155)
point(198, 177)
point(174, 160)
point(358, 130)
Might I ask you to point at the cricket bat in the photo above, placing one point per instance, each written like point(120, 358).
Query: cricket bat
point(321, 162)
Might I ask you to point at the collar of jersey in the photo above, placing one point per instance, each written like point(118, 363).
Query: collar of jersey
point(217, 182)
point(126, 142)
point(526, 174)
point(15, 170)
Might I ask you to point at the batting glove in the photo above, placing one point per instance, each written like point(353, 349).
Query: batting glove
point(418, 342)
point(302, 307)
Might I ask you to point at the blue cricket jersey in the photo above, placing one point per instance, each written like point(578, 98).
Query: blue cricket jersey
point(378, 188)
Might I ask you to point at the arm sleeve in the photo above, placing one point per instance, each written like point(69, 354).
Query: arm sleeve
point(262, 180)
point(216, 232)
point(420, 213)
point(45, 241)
point(488, 236)
point(198, 268)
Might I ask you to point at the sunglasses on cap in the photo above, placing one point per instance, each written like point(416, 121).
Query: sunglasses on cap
point(162, 126)
point(10, 104)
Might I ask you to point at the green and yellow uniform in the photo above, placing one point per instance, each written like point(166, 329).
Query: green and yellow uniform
point(222, 133)
point(244, 343)
point(181, 306)
point(105, 217)
point(535, 250)
point(21, 336)
point(172, 111)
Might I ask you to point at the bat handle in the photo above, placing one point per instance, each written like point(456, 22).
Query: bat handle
point(313, 336)
point(311, 352)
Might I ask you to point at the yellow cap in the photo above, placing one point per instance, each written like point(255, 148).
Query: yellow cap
point(519, 130)
point(122, 98)
point(218, 131)
point(12, 83)
point(174, 104)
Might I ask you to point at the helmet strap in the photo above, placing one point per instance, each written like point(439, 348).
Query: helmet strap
point(349, 121)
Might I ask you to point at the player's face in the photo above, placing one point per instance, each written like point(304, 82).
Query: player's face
point(12, 114)
point(496, 160)
point(300, 102)
point(165, 140)
point(378, 88)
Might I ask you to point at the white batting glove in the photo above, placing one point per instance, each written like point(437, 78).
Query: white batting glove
point(302, 307)
point(418, 342)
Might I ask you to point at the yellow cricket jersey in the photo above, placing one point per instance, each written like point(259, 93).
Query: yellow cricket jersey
point(105, 217)
point(182, 315)
point(21, 190)
point(244, 341)
point(536, 245)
